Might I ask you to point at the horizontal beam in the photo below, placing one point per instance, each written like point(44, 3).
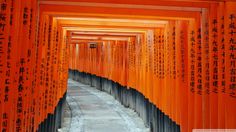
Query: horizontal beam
point(98, 37)
point(103, 33)
point(115, 30)
point(106, 23)
point(180, 3)
point(56, 10)
point(105, 26)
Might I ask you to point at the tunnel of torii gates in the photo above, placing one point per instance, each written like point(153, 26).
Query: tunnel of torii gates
point(180, 55)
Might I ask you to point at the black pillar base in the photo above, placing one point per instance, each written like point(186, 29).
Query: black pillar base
point(53, 121)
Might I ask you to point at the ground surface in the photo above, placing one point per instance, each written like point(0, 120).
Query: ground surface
point(90, 110)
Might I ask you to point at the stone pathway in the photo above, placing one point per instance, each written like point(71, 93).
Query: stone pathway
point(91, 110)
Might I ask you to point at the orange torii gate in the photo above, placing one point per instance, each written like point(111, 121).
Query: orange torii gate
point(186, 68)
